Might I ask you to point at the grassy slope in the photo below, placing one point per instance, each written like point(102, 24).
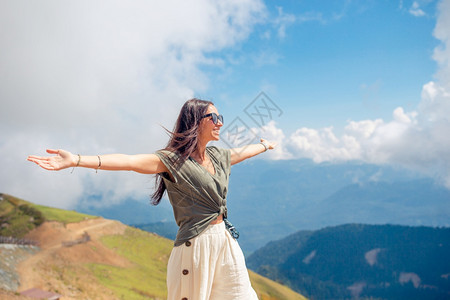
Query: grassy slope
point(147, 277)
point(17, 217)
point(61, 215)
point(271, 290)
point(148, 254)
point(50, 213)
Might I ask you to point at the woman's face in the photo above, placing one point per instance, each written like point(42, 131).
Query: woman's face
point(208, 130)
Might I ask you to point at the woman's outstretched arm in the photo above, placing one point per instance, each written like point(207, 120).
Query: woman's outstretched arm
point(62, 159)
point(242, 153)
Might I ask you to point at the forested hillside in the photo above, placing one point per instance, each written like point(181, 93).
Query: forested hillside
point(378, 261)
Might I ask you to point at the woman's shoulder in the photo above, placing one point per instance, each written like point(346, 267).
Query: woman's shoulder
point(167, 154)
point(220, 153)
point(163, 151)
point(217, 149)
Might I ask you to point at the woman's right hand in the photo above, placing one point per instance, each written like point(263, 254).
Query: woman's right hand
point(61, 160)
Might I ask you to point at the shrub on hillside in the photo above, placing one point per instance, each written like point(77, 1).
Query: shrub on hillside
point(37, 216)
point(20, 220)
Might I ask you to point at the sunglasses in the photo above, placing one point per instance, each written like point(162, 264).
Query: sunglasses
point(214, 117)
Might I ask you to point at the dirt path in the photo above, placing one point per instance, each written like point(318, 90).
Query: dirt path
point(37, 271)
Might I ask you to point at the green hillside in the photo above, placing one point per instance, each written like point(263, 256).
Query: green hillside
point(149, 254)
point(18, 217)
point(146, 277)
point(61, 215)
point(144, 257)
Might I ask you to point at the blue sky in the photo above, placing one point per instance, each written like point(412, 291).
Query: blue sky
point(361, 81)
point(331, 63)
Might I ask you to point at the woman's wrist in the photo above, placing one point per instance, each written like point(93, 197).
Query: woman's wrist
point(75, 161)
point(265, 145)
point(76, 158)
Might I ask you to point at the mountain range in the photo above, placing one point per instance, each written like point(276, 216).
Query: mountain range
point(269, 200)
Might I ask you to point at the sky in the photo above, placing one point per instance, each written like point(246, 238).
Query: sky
point(350, 80)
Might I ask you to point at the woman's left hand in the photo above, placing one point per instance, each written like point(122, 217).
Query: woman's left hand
point(271, 145)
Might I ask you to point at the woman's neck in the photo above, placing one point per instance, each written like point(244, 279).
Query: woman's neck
point(200, 152)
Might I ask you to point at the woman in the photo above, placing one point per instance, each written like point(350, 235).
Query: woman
point(206, 261)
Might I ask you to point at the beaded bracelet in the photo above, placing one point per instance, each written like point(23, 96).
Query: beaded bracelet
point(99, 163)
point(78, 163)
point(265, 146)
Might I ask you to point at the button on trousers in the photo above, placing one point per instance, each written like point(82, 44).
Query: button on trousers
point(210, 266)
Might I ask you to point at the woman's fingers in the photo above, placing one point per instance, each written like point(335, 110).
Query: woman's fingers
point(52, 151)
point(49, 151)
point(42, 163)
point(34, 158)
point(48, 162)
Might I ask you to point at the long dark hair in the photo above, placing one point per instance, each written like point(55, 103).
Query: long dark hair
point(183, 139)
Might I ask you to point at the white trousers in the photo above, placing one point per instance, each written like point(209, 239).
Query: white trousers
point(210, 266)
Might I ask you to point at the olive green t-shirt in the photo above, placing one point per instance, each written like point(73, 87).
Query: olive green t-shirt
point(197, 196)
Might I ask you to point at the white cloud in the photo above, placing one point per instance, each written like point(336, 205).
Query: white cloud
point(415, 10)
point(282, 21)
point(321, 145)
point(418, 139)
point(98, 77)
point(271, 133)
